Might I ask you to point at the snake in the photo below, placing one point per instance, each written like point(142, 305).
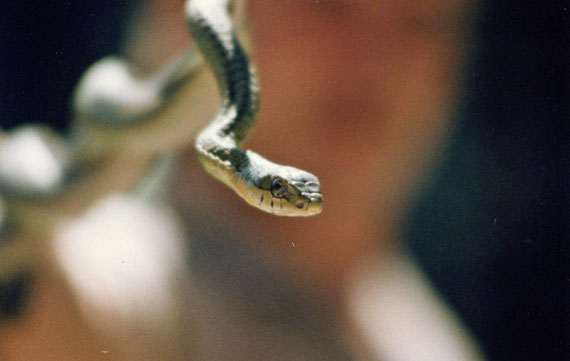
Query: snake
point(271, 187)
point(110, 94)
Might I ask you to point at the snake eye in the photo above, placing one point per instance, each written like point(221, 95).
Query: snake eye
point(278, 188)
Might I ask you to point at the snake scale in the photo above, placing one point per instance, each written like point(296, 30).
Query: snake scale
point(274, 188)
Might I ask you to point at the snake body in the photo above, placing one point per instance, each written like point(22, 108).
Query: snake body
point(274, 188)
point(110, 94)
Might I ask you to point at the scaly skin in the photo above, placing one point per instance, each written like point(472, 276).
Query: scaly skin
point(273, 188)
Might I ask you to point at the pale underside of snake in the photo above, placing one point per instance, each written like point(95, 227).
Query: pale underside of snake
point(277, 189)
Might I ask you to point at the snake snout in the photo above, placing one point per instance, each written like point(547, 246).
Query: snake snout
point(307, 186)
point(310, 203)
point(313, 187)
point(310, 200)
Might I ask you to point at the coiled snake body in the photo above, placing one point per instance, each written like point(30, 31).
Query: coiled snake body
point(277, 189)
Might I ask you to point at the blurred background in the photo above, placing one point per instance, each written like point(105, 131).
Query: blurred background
point(498, 210)
point(490, 229)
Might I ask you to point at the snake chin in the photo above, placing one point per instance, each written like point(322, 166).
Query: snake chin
point(302, 206)
point(294, 205)
point(311, 204)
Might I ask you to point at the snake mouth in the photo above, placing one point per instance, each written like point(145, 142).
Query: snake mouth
point(311, 202)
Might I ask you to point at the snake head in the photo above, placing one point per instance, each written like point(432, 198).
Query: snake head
point(282, 190)
point(299, 195)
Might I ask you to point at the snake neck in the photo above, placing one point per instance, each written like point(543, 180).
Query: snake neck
point(218, 152)
point(211, 27)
